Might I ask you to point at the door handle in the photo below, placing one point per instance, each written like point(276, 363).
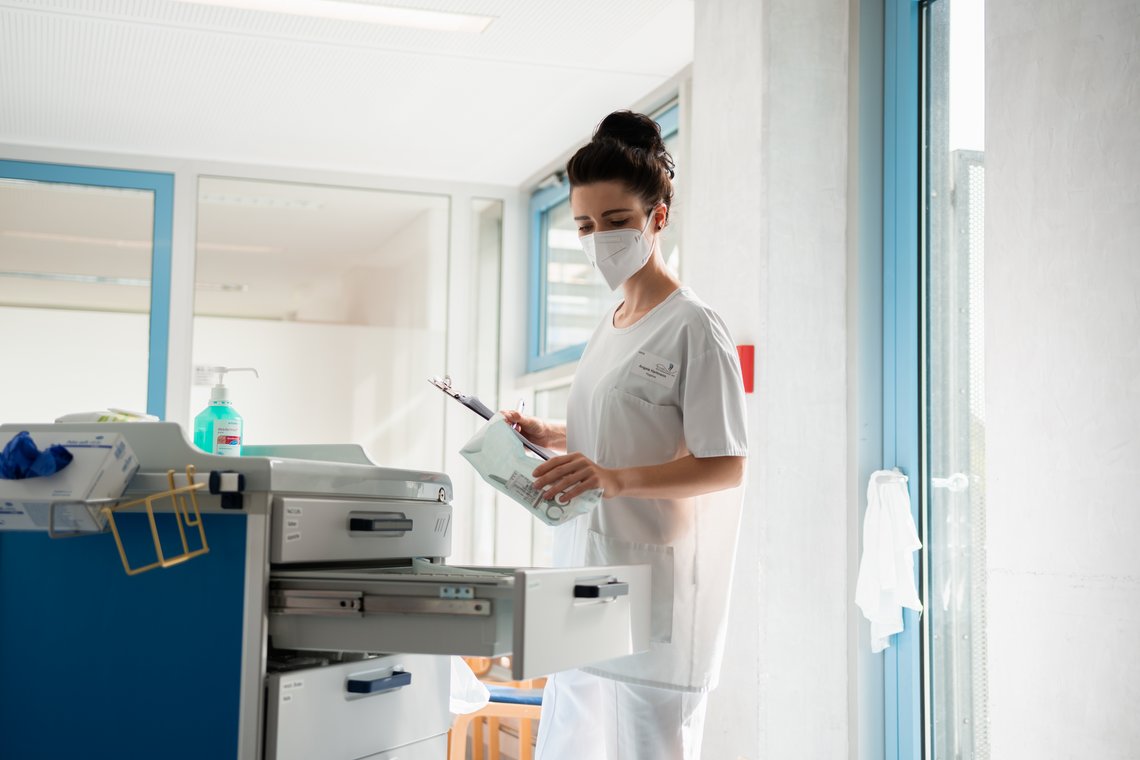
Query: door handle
point(398, 679)
point(956, 483)
point(607, 590)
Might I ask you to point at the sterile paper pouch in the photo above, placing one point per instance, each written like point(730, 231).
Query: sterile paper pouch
point(498, 455)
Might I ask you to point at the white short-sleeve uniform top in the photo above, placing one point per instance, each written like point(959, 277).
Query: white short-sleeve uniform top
point(665, 387)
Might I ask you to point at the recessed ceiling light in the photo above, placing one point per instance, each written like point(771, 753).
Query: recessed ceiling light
point(259, 201)
point(146, 245)
point(57, 237)
point(97, 279)
point(364, 12)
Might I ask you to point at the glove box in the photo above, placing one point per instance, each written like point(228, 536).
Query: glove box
point(549, 619)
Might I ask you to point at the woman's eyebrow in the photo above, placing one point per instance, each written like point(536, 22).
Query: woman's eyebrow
point(605, 213)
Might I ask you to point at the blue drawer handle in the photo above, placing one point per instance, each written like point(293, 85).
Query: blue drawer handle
point(397, 680)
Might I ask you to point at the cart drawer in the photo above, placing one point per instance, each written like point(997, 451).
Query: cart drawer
point(356, 709)
point(345, 530)
point(549, 619)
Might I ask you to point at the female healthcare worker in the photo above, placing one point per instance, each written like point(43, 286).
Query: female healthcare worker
point(656, 419)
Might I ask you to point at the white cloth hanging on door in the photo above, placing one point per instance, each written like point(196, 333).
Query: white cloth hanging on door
point(886, 570)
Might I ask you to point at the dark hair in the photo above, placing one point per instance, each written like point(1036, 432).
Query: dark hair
point(627, 147)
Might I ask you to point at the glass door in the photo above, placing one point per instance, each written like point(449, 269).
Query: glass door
point(338, 297)
point(953, 373)
point(84, 289)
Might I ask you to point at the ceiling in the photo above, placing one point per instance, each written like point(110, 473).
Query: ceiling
point(173, 78)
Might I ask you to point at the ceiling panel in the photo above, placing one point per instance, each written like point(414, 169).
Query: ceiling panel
point(163, 77)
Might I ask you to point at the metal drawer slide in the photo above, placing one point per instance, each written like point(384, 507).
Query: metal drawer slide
point(358, 604)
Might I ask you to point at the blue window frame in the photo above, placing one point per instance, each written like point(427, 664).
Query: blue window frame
point(547, 206)
point(903, 732)
point(162, 185)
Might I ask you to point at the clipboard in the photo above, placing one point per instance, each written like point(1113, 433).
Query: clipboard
point(474, 404)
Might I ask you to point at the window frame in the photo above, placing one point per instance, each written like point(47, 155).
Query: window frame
point(542, 200)
point(902, 355)
point(162, 185)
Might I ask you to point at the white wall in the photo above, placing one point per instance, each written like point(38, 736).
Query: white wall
point(1063, 377)
point(766, 242)
point(865, 688)
point(330, 384)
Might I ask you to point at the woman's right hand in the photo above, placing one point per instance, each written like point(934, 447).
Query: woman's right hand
point(550, 435)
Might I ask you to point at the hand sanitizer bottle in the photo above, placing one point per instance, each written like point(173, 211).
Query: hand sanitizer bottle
point(218, 428)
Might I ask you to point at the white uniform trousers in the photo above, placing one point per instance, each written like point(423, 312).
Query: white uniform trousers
point(586, 717)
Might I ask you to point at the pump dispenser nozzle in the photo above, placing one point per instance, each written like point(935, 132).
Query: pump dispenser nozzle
point(219, 392)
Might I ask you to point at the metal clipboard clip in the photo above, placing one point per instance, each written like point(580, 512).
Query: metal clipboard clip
point(444, 384)
point(474, 404)
point(471, 402)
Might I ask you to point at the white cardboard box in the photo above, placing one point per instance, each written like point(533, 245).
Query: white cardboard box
point(103, 464)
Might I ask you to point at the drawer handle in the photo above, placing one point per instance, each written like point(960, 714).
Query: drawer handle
point(610, 590)
point(379, 524)
point(397, 680)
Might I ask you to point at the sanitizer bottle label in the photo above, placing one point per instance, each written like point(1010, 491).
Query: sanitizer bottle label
point(227, 438)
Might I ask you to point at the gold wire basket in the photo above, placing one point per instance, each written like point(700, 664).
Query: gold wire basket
point(184, 500)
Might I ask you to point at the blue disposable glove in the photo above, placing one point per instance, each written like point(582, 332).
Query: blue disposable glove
point(21, 459)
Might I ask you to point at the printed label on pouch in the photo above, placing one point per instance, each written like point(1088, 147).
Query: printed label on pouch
point(655, 369)
point(292, 522)
point(293, 511)
point(520, 487)
point(291, 537)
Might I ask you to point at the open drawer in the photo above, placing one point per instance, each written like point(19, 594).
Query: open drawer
point(548, 619)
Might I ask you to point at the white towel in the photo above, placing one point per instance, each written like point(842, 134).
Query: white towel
point(886, 570)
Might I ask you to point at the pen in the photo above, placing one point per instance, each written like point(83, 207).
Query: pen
point(520, 407)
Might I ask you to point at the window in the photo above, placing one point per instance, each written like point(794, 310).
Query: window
point(953, 411)
point(84, 282)
point(567, 298)
point(934, 425)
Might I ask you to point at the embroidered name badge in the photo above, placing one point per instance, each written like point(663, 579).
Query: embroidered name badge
point(655, 369)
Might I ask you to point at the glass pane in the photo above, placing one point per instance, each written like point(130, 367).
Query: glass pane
point(671, 237)
point(955, 416)
point(338, 297)
point(549, 404)
point(74, 298)
point(487, 234)
point(576, 297)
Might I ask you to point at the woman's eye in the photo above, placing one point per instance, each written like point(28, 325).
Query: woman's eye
point(618, 222)
point(584, 229)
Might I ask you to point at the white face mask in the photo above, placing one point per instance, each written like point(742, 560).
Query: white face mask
point(618, 254)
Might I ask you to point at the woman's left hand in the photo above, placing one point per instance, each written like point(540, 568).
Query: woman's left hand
point(573, 475)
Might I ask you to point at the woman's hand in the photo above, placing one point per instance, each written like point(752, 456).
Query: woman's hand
point(573, 475)
point(550, 435)
point(680, 479)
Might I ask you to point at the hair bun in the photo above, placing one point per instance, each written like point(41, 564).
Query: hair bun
point(632, 129)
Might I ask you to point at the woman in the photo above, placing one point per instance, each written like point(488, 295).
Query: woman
point(656, 420)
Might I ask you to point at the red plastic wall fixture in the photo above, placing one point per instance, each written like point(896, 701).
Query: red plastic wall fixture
point(747, 356)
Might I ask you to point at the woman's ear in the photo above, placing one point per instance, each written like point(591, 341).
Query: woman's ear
point(660, 216)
